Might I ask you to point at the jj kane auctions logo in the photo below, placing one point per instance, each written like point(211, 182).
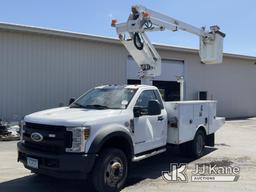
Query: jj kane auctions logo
point(201, 173)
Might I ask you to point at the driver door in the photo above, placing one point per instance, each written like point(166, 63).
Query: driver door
point(148, 129)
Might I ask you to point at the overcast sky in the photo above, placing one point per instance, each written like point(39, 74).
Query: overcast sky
point(237, 18)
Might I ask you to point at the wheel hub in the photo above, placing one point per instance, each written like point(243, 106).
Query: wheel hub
point(114, 172)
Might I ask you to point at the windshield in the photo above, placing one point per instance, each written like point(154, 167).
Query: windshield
point(105, 98)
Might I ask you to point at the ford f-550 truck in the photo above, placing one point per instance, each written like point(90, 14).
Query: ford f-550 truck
point(101, 132)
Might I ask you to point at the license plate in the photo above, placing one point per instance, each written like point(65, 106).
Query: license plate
point(31, 162)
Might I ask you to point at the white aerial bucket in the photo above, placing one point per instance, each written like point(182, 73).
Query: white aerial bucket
point(211, 49)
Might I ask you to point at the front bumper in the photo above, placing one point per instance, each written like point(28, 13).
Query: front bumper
point(69, 166)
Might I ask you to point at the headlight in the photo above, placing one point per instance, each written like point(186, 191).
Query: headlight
point(80, 136)
point(22, 124)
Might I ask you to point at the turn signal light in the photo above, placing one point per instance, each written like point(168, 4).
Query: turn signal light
point(86, 134)
point(146, 14)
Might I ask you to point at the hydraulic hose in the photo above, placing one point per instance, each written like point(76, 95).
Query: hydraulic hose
point(138, 43)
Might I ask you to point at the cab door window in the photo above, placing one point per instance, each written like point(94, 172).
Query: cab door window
point(143, 100)
point(159, 98)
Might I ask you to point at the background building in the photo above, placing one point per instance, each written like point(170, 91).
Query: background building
point(42, 68)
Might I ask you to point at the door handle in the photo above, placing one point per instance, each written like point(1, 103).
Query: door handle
point(160, 118)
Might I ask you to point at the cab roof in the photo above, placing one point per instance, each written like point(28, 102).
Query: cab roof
point(126, 86)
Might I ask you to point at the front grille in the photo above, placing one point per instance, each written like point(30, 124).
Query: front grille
point(50, 144)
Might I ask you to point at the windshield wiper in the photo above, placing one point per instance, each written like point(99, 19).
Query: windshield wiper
point(77, 105)
point(96, 106)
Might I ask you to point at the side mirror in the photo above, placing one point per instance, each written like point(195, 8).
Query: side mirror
point(137, 111)
point(71, 100)
point(154, 107)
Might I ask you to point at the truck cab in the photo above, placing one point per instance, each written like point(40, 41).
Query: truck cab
point(106, 128)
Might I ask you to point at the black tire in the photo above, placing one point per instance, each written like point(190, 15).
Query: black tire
point(110, 171)
point(198, 144)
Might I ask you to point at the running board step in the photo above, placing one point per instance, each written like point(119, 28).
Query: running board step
point(144, 156)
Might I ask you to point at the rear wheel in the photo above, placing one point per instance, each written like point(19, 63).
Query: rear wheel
point(198, 144)
point(194, 148)
point(110, 171)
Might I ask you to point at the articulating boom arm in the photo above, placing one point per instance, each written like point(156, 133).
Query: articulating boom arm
point(143, 20)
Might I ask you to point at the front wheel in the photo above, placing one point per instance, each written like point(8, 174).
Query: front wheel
point(110, 171)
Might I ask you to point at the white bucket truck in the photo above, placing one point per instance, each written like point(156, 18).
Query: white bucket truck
point(103, 131)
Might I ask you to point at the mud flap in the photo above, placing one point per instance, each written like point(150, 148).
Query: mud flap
point(210, 140)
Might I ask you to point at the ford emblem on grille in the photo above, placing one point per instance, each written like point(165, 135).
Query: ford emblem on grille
point(37, 137)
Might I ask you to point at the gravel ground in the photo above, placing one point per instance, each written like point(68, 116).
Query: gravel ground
point(235, 146)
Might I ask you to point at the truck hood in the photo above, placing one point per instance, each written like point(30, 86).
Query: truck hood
point(70, 116)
